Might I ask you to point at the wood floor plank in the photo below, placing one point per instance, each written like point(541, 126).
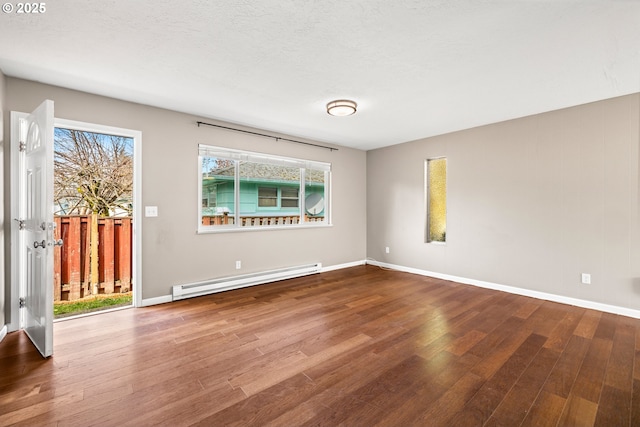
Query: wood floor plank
point(389, 389)
point(481, 405)
point(252, 383)
point(588, 324)
point(614, 408)
point(619, 373)
point(508, 329)
point(635, 404)
point(518, 401)
point(451, 402)
point(564, 374)
point(529, 306)
point(578, 412)
point(504, 351)
point(448, 368)
point(545, 411)
point(358, 346)
point(264, 406)
point(559, 336)
point(590, 379)
point(463, 344)
point(546, 318)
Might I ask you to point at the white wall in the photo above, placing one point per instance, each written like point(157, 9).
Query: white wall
point(532, 203)
point(172, 252)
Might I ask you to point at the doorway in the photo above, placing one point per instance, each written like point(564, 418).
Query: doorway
point(33, 296)
point(93, 214)
point(129, 141)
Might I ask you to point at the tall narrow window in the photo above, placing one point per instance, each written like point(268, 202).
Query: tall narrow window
point(436, 195)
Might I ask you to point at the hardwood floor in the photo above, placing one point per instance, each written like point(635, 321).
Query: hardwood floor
point(357, 347)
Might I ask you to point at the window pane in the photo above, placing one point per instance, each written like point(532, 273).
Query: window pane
point(436, 200)
point(260, 188)
point(289, 193)
point(267, 197)
point(289, 197)
point(218, 191)
point(314, 202)
point(246, 189)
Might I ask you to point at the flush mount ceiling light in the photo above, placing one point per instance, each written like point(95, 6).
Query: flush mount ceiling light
point(341, 107)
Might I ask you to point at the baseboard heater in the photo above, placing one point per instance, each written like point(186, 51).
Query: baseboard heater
point(242, 281)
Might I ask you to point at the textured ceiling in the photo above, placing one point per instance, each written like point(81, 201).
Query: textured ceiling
point(417, 68)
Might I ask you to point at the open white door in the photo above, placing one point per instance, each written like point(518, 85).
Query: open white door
point(36, 215)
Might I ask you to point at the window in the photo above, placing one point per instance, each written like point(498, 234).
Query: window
point(209, 199)
point(436, 199)
point(289, 197)
point(242, 189)
point(267, 197)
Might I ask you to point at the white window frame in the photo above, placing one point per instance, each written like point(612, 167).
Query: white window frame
point(255, 157)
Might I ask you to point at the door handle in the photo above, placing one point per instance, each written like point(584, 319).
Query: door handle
point(41, 244)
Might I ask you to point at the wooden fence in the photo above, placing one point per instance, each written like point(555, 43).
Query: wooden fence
point(72, 260)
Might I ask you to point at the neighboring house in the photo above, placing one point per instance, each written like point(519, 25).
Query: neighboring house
point(265, 190)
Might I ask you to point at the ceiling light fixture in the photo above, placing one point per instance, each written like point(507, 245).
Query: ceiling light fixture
point(341, 107)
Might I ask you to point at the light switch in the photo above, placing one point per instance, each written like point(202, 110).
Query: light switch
point(150, 211)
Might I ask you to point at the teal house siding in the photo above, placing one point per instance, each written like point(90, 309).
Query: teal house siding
point(265, 191)
point(218, 196)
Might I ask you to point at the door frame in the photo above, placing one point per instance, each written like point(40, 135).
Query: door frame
point(15, 321)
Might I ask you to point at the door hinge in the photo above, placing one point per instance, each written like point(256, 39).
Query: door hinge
point(22, 302)
point(22, 146)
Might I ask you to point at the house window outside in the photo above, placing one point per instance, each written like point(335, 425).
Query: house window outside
point(436, 200)
point(289, 197)
point(269, 190)
point(267, 197)
point(209, 198)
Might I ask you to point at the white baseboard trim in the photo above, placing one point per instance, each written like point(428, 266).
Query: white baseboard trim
point(157, 300)
point(518, 291)
point(168, 298)
point(341, 266)
point(3, 332)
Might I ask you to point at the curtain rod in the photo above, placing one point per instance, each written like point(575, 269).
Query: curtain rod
point(277, 138)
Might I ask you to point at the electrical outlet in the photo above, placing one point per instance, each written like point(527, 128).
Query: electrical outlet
point(386, 249)
point(586, 279)
point(238, 265)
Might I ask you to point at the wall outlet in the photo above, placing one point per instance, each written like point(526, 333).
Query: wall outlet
point(586, 279)
point(238, 265)
point(386, 249)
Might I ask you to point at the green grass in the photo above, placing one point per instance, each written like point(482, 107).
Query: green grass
point(64, 309)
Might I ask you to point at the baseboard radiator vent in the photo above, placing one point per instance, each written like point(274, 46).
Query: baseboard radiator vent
point(242, 281)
